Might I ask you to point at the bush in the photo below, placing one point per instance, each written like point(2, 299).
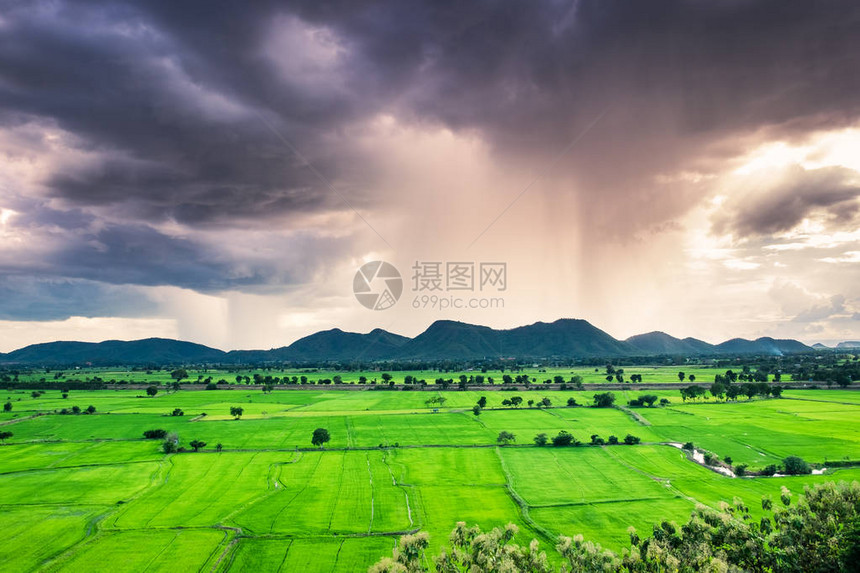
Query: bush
point(604, 400)
point(768, 470)
point(740, 470)
point(689, 446)
point(631, 440)
point(541, 440)
point(796, 466)
point(155, 434)
point(563, 439)
point(819, 533)
point(613, 440)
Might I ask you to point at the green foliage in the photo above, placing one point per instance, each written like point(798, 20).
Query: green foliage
point(631, 440)
point(768, 470)
point(408, 555)
point(197, 444)
point(820, 533)
point(237, 411)
point(155, 434)
point(541, 440)
point(506, 438)
point(320, 437)
point(151, 390)
point(473, 550)
point(179, 374)
point(563, 438)
point(796, 466)
point(604, 400)
point(5, 435)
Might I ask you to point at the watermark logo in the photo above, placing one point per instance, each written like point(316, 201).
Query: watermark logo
point(437, 285)
point(377, 285)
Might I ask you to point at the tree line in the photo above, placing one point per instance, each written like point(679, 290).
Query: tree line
point(818, 533)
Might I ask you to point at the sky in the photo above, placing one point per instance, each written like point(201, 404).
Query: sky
point(219, 172)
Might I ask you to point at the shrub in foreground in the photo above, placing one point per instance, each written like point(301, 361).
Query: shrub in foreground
point(819, 533)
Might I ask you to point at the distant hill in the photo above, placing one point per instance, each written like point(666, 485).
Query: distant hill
point(335, 344)
point(662, 343)
point(819, 346)
point(111, 352)
point(849, 344)
point(765, 345)
point(449, 339)
point(562, 338)
point(443, 340)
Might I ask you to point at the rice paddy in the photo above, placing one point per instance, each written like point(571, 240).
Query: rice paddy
point(86, 491)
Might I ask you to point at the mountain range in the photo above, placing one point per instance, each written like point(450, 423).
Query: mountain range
point(443, 340)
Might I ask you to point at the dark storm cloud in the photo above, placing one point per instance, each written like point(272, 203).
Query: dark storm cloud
point(164, 97)
point(833, 192)
point(123, 77)
point(29, 298)
point(171, 122)
point(141, 255)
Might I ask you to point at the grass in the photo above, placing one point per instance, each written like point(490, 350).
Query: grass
point(86, 492)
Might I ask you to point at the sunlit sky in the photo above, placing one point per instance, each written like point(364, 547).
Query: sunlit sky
point(219, 174)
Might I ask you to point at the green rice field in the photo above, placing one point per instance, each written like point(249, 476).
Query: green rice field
point(87, 492)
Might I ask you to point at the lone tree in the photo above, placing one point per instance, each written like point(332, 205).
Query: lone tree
point(179, 374)
point(563, 438)
point(796, 466)
point(236, 411)
point(197, 444)
point(482, 401)
point(506, 438)
point(320, 437)
point(604, 400)
point(541, 440)
point(7, 407)
point(5, 436)
point(151, 391)
point(90, 410)
point(476, 410)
